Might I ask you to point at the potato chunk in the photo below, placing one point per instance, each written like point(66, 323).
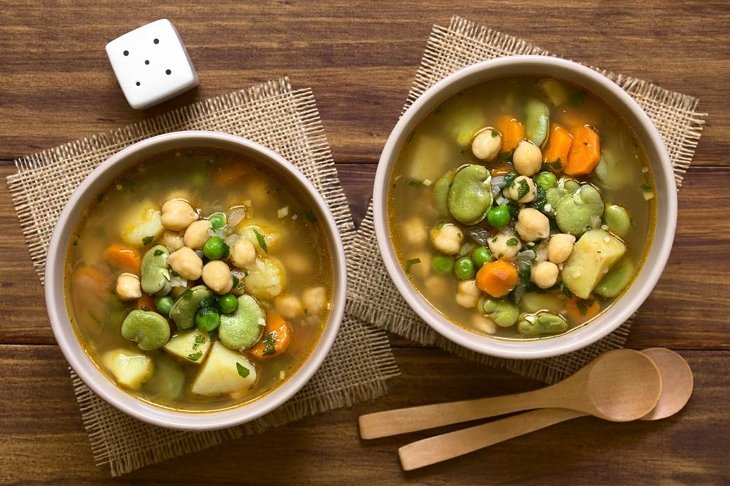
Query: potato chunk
point(593, 256)
point(141, 224)
point(192, 346)
point(129, 368)
point(225, 371)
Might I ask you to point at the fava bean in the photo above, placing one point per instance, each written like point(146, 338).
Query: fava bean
point(617, 219)
point(503, 312)
point(616, 279)
point(441, 193)
point(541, 324)
point(577, 213)
point(146, 328)
point(537, 122)
point(470, 194)
point(155, 271)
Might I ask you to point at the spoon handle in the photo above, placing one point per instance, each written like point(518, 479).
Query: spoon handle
point(453, 444)
point(411, 419)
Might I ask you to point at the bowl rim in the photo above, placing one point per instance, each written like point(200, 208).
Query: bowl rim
point(69, 343)
point(665, 184)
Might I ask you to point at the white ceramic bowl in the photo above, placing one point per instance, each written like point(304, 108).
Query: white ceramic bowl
point(666, 198)
point(56, 304)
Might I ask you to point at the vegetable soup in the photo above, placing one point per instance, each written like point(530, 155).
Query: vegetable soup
point(521, 207)
point(199, 280)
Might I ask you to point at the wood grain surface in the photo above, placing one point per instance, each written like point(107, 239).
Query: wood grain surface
point(360, 58)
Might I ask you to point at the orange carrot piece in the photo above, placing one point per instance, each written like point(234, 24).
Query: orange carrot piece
point(558, 146)
point(124, 257)
point(276, 339)
point(146, 302)
point(90, 280)
point(512, 131)
point(497, 278)
point(580, 310)
point(585, 152)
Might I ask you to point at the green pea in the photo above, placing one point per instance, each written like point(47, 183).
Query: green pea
point(464, 268)
point(207, 319)
point(442, 264)
point(546, 180)
point(217, 220)
point(163, 303)
point(215, 248)
point(498, 216)
point(228, 303)
point(480, 256)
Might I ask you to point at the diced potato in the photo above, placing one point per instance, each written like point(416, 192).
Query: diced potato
point(258, 232)
point(593, 256)
point(225, 371)
point(192, 346)
point(141, 224)
point(266, 278)
point(130, 369)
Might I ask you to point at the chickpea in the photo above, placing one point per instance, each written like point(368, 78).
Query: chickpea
point(177, 214)
point(521, 185)
point(217, 276)
point(532, 225)
point(527, 158)
point(289, 306)
point(560, 247)
point(447, 238)
point(437, 284)
point(467, 294)
point(295, 262)
point(544, 274)
point(483, 324)
point(172, 240)
point(197, 234)
point(486, 144)
point(128, 287)
point(243, 253)
point(414, 231)
point(504, 244)
point(186, 263)
point(315, 300)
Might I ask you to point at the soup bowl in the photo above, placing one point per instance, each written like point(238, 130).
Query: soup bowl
point(633, 117)
point(56, 268)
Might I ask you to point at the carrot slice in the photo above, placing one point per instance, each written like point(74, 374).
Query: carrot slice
point(512, 131)
point(585, 152)
point(580, 310)
point(276, 338)
point(124, 257)
point(497, 278)
point(558, 146)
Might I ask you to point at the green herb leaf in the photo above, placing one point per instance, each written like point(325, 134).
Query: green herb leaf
point(646, 187)
point(147, 240)
point(495, 133)
point(522, 189)
point(158, 252)
point(554, 166)
point(415, 183)
point(269, 343)
point(243, 372)
point(411, 262)
point(577, 99)
point(509, 180)
point(309, 217)
point(199, 339)
point(195, 356)
point(513, 242)
point(261, 239)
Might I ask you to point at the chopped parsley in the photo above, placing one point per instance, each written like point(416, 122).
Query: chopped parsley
point(523, 188)
point(513, 242)
point(411, 262)
point(269, 343)
point(243, 372)
point(495, 133)
point(147, 240)
point(196, 356)
point(415, 183)
point(158, 252)
point(261, 239)
point(646, 187)
point(552, 166)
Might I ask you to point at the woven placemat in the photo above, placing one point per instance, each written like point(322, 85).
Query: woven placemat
point(374, 298)
point(284, 120)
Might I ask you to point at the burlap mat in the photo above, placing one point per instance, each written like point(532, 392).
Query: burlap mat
point(373, 297)
point(284, 120)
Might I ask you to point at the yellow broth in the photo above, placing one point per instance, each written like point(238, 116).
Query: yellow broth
point(442, 142)
point(211, 180)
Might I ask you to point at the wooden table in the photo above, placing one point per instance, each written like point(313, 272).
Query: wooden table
point(56, 85)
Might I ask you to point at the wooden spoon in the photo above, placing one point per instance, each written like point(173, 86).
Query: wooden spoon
point(676, 390)
point(619, 385)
